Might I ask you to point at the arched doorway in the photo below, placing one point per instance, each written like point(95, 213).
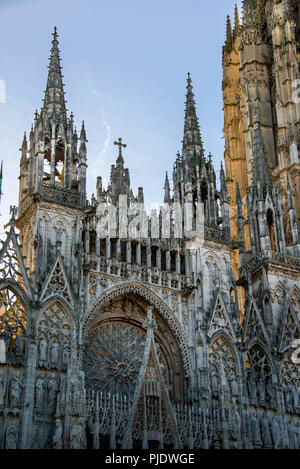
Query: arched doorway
point(132, 391)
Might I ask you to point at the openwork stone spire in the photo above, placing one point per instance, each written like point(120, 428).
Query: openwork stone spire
point(54, 94)
point(192, 140)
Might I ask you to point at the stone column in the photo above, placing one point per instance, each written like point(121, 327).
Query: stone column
point(53, 145)
point(68, 162)
point(107, 248)
point(187, 264)
point(138, 254)
point(118, 249)
point(168, 261)
point(87, 242)
point(98, 245)
point(148, 256)
point(158, 258)
point(128, 252)
point(178, 269)
point(28, 397)
point(108, 254)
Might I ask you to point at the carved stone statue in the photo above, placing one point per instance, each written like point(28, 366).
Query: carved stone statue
point(288, 399)
point(215, 384)
point(52, 391)
point(255, 430)
point(265, 431)
point(237, 422)
point(270, 392)
point(11, 437)
point(295, 399)
point(76, 390)
point(276, 433)
point(252, 390)
point(54, 353)
point(62, 391)
point(233, 385)
point(292, 432)
point(77, 436)
point(58, 435)
point(43, 350)
point(2, 389)
point(39, 392)
point(66, 354)
point(15, 391)
point(19, 344)
point(261, 391)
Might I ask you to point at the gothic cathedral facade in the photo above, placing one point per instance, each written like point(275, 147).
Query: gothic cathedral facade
point(161, 338)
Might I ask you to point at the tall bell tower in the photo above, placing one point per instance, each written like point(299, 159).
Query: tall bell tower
point(52, 189)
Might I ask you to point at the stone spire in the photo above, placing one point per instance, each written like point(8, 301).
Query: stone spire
point(24, 150)
point(54, 100)
point(83, 140)
point(228, 31)
point(167, 197)
point(224, 190)
point(192, 140)
point(119, 176)
point(82, 166)
point(237, 25)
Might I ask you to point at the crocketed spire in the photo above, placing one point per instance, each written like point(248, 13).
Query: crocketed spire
point(192, 140)
point(54, 95)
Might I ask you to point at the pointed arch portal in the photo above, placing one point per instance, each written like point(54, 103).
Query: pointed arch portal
point(114, 345)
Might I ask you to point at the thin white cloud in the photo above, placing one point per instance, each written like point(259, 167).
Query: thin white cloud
point(99, 159)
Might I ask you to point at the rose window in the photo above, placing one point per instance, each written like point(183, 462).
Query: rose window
point(113, 356)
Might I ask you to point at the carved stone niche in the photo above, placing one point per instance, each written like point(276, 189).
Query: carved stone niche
point(55, 338)
point(115, 346)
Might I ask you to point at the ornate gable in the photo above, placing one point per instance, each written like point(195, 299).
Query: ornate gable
point(253, 326)
point(290, 329)
point(220, 319)
point(152, 415)
point(57, 282)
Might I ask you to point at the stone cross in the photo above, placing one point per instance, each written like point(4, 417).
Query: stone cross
point(120, 145)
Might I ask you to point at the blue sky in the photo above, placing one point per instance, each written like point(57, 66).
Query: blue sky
point(125, 64)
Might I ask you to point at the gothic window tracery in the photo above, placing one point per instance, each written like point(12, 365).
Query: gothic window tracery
point(113, 356)
point(10, 266)
point(12, 315)
point(221, 351)
point(289, 373)
point(257, 364)
point(259, 378)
